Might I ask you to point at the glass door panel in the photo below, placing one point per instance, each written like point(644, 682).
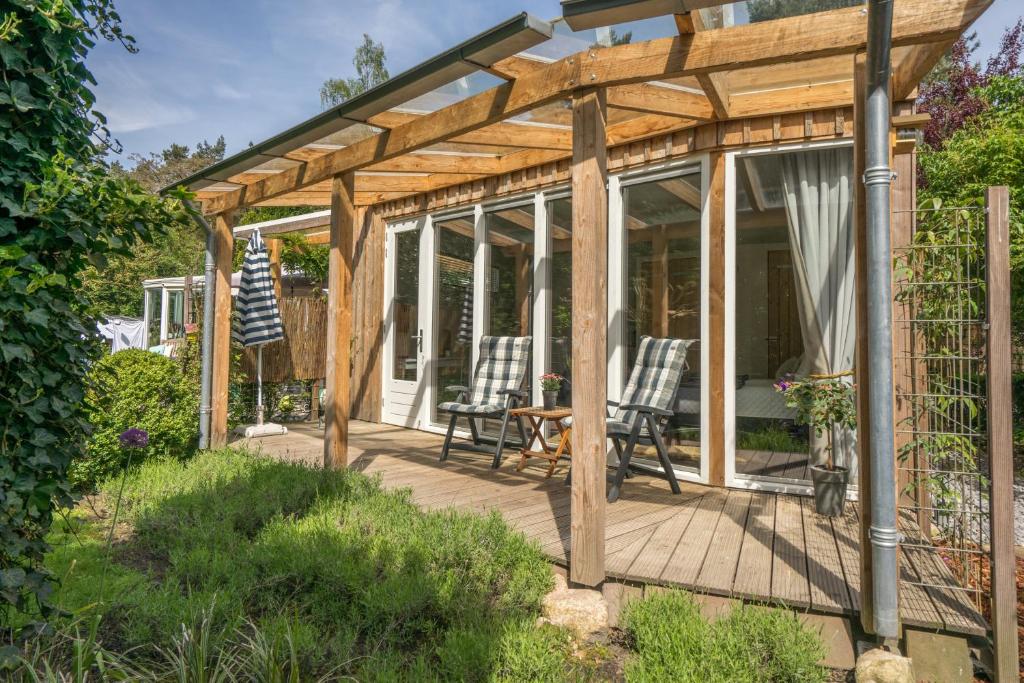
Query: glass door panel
point(405, 307)
point(560, 340)
point(663, 228)
point(453, 309)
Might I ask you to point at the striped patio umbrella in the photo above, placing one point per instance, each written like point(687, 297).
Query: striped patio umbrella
point(259, 320)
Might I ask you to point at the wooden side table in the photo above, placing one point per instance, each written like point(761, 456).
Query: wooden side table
point(537, 416)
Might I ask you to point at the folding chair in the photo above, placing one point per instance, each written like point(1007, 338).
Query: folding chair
point(497, 388)
point(646, 406)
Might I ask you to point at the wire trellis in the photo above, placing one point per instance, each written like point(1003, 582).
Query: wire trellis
point(939, 323)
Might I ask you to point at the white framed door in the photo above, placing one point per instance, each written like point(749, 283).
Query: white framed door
point(407, 320)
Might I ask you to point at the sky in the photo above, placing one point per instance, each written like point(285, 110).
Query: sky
point(248, 69)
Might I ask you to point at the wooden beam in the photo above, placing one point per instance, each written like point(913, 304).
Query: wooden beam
point(823, 34)
point(589, 336)
point(441, 163)
point(786, 100)
point(503, 134)
point(861, 359)
point(683, 190)
point(713, 85)
point(644, 97)
point(716, 320)
point(908, 71)
point(1000, 431)
point(339, 322)
point(224, 245)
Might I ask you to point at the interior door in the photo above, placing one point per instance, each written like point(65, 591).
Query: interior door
point(406, 316)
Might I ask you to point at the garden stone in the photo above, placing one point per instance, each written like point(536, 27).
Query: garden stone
point(881, 666)
point(583, 610)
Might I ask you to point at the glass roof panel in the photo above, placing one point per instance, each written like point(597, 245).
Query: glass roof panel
point(565, 41)
point(456, 91)
point(754, 11)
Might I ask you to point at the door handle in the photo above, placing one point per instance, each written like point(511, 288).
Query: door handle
point(419, 341)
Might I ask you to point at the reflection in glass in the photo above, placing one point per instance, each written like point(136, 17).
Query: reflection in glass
point(662, 220)
point(453, 312)
point(510, 234)
point(560, 351)
point(405, 305)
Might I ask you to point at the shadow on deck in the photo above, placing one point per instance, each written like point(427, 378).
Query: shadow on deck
point(752, 545)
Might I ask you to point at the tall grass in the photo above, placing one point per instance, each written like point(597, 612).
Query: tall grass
point(350, 573)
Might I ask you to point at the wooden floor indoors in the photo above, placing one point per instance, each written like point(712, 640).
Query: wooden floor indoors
point(744, 544)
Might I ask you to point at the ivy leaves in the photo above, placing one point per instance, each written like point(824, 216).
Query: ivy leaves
point(60, 210)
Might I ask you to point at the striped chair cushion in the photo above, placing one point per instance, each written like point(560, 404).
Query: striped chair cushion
point(502, 366)
point(655, 378)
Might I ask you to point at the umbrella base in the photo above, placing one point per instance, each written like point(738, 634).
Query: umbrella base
point(265, 429)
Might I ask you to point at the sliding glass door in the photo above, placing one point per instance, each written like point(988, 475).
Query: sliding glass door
point(663, 251)
point(793, 303)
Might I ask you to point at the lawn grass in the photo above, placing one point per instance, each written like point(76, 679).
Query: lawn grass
point(673, 642)
point(354, 575)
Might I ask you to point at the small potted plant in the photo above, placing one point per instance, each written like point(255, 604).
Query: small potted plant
point(824, 403)
point(550, 384)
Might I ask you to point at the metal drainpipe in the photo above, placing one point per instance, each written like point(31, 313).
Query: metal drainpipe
point(877, 180)
point(206, 368)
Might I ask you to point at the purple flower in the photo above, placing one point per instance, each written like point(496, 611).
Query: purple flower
point(134, 438)
point(782, 385)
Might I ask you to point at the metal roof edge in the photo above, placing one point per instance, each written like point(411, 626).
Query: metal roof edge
point(483, 45)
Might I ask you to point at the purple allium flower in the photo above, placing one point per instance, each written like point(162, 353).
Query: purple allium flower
point(134, 438)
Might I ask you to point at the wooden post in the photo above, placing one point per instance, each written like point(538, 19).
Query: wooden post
point(716, 320)
point(861, 358)
point(589, 335)
point(224, 245)
point(274, 254)
point(1000, 432)
point(337, 401)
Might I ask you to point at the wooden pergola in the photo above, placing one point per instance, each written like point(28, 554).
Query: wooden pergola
point(703, 88)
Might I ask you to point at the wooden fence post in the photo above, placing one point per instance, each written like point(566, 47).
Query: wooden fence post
point(1000, 432)
point(589, 336)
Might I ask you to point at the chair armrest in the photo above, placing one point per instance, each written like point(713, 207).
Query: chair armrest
point(514, 392)
point(647, 409)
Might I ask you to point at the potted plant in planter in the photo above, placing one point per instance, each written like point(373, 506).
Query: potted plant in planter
point(550, 383)
point(824, 402)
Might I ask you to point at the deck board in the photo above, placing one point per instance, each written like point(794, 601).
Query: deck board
point(754, 545)
point(754, 565)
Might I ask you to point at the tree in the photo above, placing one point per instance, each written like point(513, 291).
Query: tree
point(764, 10)
point(952, 93)
point(987, 149)
point(60, 210)
point(370, 71)
point(117, 288)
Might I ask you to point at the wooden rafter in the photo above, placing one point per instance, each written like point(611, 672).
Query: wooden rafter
point(807, 37)
point(643, 97)
point(505, 134)
point(712, 84)
point(915, 65)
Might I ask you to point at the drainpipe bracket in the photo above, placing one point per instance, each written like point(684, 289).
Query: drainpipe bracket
point(884, 537)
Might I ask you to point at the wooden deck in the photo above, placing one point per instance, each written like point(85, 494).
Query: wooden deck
point(744, 544)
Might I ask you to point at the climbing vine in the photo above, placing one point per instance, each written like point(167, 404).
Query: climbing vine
point(60, 211)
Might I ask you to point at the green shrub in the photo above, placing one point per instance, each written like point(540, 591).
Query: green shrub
point(672, 641)
point(135, 388)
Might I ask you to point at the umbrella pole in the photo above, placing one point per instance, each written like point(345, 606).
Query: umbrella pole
point(259, 384)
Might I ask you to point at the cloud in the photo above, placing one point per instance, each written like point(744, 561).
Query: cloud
point(228, 92)
point(146, 113)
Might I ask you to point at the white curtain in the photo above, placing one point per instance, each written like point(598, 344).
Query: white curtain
point(818, 194)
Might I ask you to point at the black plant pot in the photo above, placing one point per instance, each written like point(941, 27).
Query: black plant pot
point(829, 489)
